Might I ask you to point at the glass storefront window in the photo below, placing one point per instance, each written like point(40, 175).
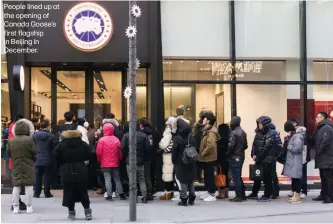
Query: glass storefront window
point(70, 93)
point(196, 97)
point(321, 70)
point(40, 93)
point(107, 94)
point(319, 100)
point(141, 93)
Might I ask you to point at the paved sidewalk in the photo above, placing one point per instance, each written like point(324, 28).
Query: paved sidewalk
point(51, 211)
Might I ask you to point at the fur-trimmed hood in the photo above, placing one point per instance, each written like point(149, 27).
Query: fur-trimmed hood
point(71, 134)
point(23, 127)
point(111, 121)
point(300, 129)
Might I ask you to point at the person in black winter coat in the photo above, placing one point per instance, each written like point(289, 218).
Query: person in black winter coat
point(324, 156)
point(72, 153)
point(236, 154)
point(142, 147)
point(44, 142)
point(278, 149)
point(69, 124)
point(222, 160)
point(263, 153)
point(154, 138)
point(185, 173)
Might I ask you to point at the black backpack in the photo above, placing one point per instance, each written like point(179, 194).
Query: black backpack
point(190, 154)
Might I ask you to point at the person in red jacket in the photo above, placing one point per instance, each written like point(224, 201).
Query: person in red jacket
point(109, 155)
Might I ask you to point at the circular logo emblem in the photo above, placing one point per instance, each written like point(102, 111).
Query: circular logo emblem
point(88, 26)
point(258, 172)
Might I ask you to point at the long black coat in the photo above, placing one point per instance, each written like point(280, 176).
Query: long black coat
point(324, 145)
point(71, 154)
point(185, 173)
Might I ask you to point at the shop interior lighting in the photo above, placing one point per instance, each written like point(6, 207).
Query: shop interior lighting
point(45, 94)
point(47, 73)
point(100, 82)
point(100, 95)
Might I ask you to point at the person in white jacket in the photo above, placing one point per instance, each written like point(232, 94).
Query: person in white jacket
point(81, 128)
point(165, 146)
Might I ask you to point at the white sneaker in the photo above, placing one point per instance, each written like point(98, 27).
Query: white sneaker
point(202, 197)
point(210, 198)
point(29, 209)
point(303, 196)
point(16, 210)
point(291, 194)
point(105, 194)
point(114, 195)
point(176, 198)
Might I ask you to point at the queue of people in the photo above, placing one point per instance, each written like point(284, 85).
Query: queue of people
point(97, 156)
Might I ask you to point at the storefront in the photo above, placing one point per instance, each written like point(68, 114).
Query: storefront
point(236, 58)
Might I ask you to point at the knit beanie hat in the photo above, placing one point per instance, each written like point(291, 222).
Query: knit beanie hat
point(180, 110)
point(289, 127)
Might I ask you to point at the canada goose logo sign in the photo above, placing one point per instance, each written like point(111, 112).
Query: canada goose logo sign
point(258, 172)
point(88, 26)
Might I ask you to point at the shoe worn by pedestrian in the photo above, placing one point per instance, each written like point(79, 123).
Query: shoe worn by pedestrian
point(71, 215)
point(167, 196)
point(191, 199)
point(22, 153)
point(109, 155)
point(252, 196)
point(324, 154)
point(264, 198)
point(70, 154)
point(295, 199)
point(88, 214)
point(236, 155)
point(293, 166)
point(185, 173)
point(223, 193)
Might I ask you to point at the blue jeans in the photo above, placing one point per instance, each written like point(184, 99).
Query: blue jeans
point(235, 167)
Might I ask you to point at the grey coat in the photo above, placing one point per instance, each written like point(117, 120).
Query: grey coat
point(294, 161)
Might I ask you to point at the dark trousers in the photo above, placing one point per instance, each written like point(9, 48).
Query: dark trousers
point(276, 187)
point(209, 169)
point(169, 186)
point(296, 185)
point(148, 177)
point(43, 173)
point(85, 204)
point(326, 176)
point(236, 166)
point(268, 181)
point(305, 179)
